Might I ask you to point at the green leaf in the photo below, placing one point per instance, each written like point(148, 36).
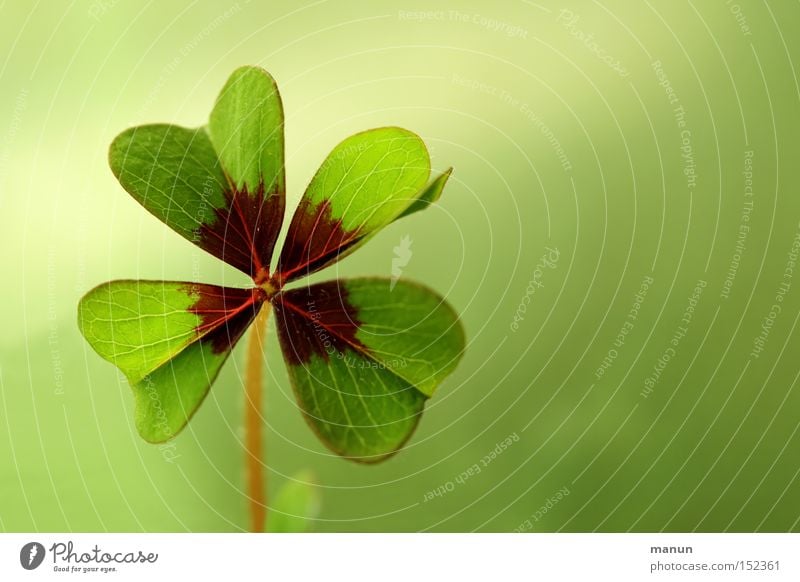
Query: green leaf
point(295, 506)
point(170, 340)
point(364, 357)
point(173, 172)
point(246, 128)
point(224, 192)
point(430, 194)
point(366, 182)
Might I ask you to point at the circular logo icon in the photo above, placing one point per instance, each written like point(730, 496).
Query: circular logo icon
point(31, 555)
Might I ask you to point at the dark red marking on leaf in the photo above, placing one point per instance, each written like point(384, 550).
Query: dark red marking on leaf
point(315, 240)
point(225, 312)
point(244, 231)
point(316, 320)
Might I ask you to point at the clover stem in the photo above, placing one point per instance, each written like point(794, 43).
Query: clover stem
point(253, 422)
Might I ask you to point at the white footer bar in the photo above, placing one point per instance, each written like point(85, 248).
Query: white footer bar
point(400, 557)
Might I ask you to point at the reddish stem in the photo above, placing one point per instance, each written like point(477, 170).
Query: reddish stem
point(253, 422)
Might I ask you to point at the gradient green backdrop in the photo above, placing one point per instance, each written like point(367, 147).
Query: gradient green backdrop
point(563, 124)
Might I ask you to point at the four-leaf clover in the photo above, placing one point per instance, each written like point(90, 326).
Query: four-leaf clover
point(363, 357)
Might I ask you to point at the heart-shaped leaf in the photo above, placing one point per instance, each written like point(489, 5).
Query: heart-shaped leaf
point(224, 192)
point(366, 182)
point(170, 340)
point(364, 357)
point(173, 172)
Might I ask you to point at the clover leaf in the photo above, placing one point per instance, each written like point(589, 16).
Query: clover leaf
point(363, 355)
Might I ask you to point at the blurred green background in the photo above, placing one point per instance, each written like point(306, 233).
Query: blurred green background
point(597, 146)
